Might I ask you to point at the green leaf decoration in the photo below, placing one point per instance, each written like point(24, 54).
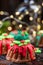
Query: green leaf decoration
point(25, 33)
point(2, 37)
point(20, 44)
point(17, 42)
point(38, 51)
point(27, 41)
point(9, 36)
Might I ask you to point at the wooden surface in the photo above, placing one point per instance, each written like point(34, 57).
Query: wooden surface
point(38, 61)
point(5, 62)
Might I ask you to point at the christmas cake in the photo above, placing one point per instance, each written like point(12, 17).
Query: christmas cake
point(5, 41)
point(21, 50)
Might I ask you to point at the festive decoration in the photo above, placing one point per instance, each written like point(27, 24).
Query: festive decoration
point(5, 41)
point(20, 46)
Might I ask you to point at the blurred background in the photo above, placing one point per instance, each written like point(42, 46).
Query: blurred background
point(21, 13)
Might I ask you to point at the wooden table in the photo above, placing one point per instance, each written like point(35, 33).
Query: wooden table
point(5, 62)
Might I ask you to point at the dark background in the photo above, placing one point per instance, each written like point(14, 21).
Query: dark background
point(11, 5)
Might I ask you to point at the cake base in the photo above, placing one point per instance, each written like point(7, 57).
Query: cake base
point(3, 61)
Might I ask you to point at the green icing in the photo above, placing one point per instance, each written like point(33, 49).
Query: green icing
point(27, 41)
point(26, 33)
point(12, 34)
point(20, 44)
point(20, 35)
point(38, 51)
point(9, 36)
point(17, 42)
point(2, 37)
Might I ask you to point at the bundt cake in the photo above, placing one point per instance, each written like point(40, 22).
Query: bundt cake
point(21, 50)
point(5, 41)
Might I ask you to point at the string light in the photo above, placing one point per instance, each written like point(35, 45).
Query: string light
point(38, 19)
point(27, 28)
point(9, 28)
point(42, 21)
point(22, 15)
point(42, 3)
point(39, 12)
point(14, 22)
point(1, 12)
point(34, 33)
point(30, 18)
point(41, 31)
point(39, 6)
point(20, 25)
point(17, 13)
point(36, 10)
point(26, 12)
point(20, 18)
point(38, 27)
point(11, 16)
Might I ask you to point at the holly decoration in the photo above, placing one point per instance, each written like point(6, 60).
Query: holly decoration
point(38, 51)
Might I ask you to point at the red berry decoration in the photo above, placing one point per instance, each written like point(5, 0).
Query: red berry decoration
point(22, 41)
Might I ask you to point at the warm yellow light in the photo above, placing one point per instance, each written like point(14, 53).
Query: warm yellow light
point(34, 33)
point(42, 3)
point(17, 13)
point(39, 6)
point(9, 28)
point(42, 21)
point(20, 18)
point(38, 19)
point(20, 25)
point(31, 18)
point(0, 22)
point(11, 16)
point(27, 28)
point(39, 12)
point(27, 12)
point(36, 10)
point(14, 22)
point(38, 27)
point(41, 31)
point(2, 13)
